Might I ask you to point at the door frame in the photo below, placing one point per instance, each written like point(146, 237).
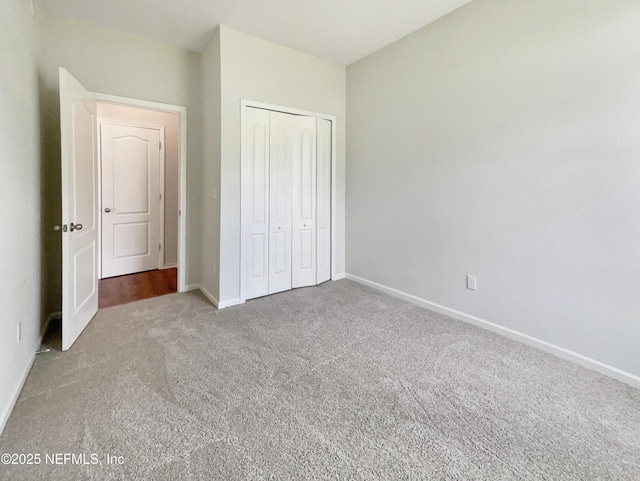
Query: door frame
point(182, 173)
point(244, 104)
point(161, 181)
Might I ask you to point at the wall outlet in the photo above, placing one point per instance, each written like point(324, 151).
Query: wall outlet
point(19, 331)
point(471, 282)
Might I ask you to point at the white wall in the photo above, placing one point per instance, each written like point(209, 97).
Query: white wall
point(210, 219)
point(255, 69)
point(171, 121)
point(503, 141)
point(20, 200)
point(117, 63)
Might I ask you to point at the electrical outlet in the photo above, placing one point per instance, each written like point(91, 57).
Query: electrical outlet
point(19, 331)
point(471, 282)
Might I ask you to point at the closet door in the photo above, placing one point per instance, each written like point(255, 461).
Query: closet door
point(256, 204)
point(283, 128)
point(304, 203)
point(324, 201)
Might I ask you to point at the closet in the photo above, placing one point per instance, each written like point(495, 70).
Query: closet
point(286, 196)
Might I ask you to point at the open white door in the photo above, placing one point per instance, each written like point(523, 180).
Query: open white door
point(79, 208)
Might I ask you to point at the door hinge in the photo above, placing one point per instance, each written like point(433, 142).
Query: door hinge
point(160, 195)
point(160, 146)
point(159, 247)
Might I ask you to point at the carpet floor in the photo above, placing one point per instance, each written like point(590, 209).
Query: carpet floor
point(333, 382)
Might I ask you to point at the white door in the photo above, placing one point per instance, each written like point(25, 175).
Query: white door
point(282, 130)
point(255, 215)
point(79, 207)
point(304, 203)
point(130, 199)
point(324, 201)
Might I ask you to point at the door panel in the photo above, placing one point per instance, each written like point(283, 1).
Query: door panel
point(130, 199)
point(256, 204)
point(79, 206)
point(324, 200)
point(281, 154)
point(304, 203)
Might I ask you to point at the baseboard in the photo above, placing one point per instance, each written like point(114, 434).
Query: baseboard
point(173, 265)
point(337, 277)
point(558, 351)
point(230, 303)
point(205, 292)
point(191, 287)
point(6, 412)
point(209, 296)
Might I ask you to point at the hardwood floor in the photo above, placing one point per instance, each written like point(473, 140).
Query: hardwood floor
point(134, 287)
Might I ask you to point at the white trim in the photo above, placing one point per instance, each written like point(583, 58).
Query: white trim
point(204, 291)
point(230, 303)
point(558, 351)
point(182, 174)
point(172, 265)
point(286, 110)
point(208, 295)
point(337, 277)
point(6, 412)
point(244, 103)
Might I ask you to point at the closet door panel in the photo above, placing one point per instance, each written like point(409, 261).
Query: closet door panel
point(324, 200)
point(256, 204)
point(304, 203)
point(280, 195)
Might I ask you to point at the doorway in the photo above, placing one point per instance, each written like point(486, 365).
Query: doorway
point(139, 160)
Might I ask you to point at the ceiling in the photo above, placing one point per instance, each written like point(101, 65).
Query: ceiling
point(342, 31)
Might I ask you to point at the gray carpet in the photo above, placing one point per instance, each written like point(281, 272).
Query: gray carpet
point(332, 382)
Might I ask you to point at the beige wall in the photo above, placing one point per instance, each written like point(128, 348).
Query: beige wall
point(171, 122)
point(258, 70)
point(503, 141)
point(20, 200)
point(117, 63)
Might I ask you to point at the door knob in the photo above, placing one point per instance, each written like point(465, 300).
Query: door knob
point(107, 210)
point(62, 228)
point(73, 227)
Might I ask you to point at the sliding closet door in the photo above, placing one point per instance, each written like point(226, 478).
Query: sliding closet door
point(304, 203)
point(324, 201)
point(256, 204)
point(283, 129)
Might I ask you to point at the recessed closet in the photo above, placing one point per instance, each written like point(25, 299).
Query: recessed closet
point(286, 201)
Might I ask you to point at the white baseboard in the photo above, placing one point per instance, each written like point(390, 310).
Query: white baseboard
point(169, 266)
point(230, 303)
point(559, 351)
point(337, 277)
point(209, 296)
point(8, 409)
point(205, 292)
